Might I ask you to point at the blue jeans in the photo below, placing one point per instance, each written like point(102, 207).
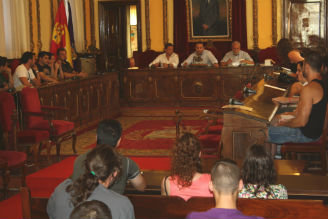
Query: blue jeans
point(283, 134)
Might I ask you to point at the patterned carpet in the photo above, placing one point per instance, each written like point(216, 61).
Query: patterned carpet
point(155, 133)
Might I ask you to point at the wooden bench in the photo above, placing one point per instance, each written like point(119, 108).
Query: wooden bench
point(162, 207)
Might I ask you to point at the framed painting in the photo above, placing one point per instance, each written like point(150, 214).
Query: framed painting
point(209, 20)
point(305, 22)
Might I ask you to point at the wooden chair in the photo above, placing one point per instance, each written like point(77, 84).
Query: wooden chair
point(311, 147)
point(32, 140)
point(40, 117)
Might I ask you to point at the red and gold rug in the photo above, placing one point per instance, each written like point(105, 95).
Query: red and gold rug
point(153, 137)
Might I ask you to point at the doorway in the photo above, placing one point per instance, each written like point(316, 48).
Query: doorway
point(119, 33)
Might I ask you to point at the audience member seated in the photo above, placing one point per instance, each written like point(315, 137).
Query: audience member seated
point(5, 82)
point(56, 68)
point(201, 57)
point(225, 184)
point(186, 179)
point(259, 176)
point(45, 72)
point(102, 164)
point(66, 66)
point(288, 56)
point(24, 76)
point(236, 57)
point(91, 210)
point(109, 132)
point(305, 124)
point(168, 59)
point(295, 89)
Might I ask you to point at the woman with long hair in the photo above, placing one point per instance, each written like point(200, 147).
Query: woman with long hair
point(259, 176)
point(186, 179)
point(103, 165)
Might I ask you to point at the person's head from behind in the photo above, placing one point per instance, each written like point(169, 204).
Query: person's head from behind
point(284, 47)
point(258, 167)
point(186, 159)
point(3, 63)
point(91, 210)
point(235, 46)
point(61, 54)
point(43, 58)
point(225, 179)
point(28, 58)
point(102, 166)
point(109, 132)
point(312, 65)
point(168, 48)
point(199, 47)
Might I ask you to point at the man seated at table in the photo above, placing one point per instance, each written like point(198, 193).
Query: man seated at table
point(24, 76)
point(6, 79)
point(66, 66)
point(168, 59)
point(225, 184)
point(236, 56)
point(44, 69)
point(306, 122)
point(201, 57)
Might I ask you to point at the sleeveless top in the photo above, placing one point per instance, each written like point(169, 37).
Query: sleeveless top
point(313, 128)
point(198, 187)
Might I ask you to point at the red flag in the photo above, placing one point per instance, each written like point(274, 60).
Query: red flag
point(60, 35)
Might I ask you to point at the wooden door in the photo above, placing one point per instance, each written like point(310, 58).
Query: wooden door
point(112, 35)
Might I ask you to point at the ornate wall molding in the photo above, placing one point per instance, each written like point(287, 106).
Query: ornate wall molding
point(92, 23)
point(255, 26)
point(147, 24)
point(31, 26)
point(39, 25)
point(274, 22)
point(165, 29)
point(52, 14)
point(85, 27)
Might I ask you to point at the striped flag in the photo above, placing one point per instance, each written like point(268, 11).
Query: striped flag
point(60, 35)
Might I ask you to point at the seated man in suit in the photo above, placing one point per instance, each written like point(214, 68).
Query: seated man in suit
point(66, 66)
point(201, 57)
point(236, 56)
point(109, 132)
point(168, 59)
point(5, 82)
point(306, 123)
point(225, 184)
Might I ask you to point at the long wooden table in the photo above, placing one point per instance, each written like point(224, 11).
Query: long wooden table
point(243, 128)
point(187, 86)
point(88, 100)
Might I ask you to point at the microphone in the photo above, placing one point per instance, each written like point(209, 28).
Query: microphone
point(233, 101)
point(249, 90)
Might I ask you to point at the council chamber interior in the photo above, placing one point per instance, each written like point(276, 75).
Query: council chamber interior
point(172, 90)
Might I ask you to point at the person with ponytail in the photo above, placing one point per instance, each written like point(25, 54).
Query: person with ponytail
point(102, 165)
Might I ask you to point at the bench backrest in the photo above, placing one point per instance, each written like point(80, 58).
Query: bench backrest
point(163, 207)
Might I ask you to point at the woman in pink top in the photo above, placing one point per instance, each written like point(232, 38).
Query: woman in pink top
point(186, 179)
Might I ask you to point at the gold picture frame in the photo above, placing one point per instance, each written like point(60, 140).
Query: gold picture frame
point(209, 20)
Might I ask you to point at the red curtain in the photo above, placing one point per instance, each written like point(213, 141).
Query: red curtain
point(184, 48)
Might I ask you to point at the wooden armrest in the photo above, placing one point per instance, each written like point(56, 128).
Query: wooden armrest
point(44, 107)
point(47, 115)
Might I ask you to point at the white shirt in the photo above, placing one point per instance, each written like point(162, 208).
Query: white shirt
point(236, 58)
point(162, 59)
point(22, 72)
point(206, 57)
